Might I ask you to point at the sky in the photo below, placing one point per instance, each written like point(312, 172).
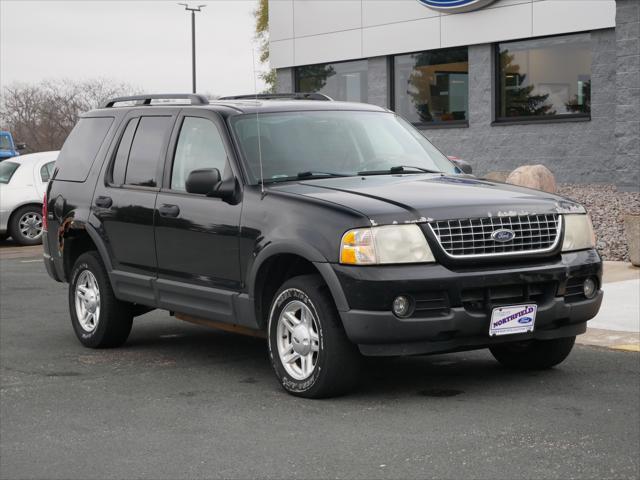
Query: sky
point(143, 43)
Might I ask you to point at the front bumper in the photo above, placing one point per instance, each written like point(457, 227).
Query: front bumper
point(453, 308)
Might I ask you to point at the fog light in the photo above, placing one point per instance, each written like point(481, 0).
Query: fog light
point(401, 306)
point(590, 288)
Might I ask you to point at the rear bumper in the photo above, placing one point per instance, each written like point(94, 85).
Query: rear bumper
point(49, 263)
point(455, 306)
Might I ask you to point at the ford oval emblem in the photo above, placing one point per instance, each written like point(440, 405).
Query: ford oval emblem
point(503, 235)
point(451, 6)
point(524, 320)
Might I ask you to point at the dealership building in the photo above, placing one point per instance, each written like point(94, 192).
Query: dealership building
point(498, 83)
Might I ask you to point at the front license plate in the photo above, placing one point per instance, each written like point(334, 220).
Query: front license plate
point(513, 319)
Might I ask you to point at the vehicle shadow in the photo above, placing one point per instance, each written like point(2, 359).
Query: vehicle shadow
point(461, 375)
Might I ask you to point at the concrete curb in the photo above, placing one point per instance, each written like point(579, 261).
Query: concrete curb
point(612, 339)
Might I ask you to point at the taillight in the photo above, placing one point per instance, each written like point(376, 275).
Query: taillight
point(45, 223)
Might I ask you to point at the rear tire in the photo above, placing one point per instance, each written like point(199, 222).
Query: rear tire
point(534, 354)
point(309, 350)
point(25, 226)
point(99, 319)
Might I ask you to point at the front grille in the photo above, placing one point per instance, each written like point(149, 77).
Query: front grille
point(484, 298)
point(472, 237)
point(431, 304)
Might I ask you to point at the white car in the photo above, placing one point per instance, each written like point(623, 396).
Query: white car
point(23, 182)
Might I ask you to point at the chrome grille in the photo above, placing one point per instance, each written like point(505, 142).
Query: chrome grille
point(472, 237)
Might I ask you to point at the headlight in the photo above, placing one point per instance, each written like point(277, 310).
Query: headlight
point(384, 245)
point(578, 233)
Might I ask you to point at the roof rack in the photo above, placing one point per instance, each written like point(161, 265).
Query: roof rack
point(277, 96)
point(146, 99)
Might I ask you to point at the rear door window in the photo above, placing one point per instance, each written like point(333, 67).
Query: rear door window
point(81, 147)
point(147, 150)
point(46, 171)
point(122, 155)
point(7, 169)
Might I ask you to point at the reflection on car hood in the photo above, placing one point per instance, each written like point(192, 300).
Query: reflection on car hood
point(388, 199)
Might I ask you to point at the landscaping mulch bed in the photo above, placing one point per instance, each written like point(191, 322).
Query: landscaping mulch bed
point(607, 206)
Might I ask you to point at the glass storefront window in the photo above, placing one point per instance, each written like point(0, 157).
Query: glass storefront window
point(432, 87)
point(546, 77)
point(344, 81)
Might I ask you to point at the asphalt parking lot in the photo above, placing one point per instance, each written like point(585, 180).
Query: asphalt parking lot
point(182, 401)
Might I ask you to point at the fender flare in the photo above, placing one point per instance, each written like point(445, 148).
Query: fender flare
point(99, 243)
point(310, 254)
point(93, 235)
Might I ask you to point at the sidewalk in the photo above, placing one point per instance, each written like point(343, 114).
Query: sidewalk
point(617, 325)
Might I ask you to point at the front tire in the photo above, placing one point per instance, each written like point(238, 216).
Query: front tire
point(309, 351)
point(99, 319)
point(533, 354)
point(26, 225)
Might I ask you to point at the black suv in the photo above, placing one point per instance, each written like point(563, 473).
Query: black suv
point(333, 229)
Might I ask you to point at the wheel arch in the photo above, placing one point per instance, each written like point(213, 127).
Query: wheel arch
point(22, 205)
point(77, 238)
point(276, 264)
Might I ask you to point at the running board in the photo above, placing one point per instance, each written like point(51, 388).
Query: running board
point(227, 327)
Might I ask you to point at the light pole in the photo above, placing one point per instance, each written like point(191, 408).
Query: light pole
point(193, 11)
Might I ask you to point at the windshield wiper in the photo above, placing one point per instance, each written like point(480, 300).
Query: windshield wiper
point(321, 174)
point(397, 169)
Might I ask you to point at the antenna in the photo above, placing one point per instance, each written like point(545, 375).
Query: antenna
point(255, 88)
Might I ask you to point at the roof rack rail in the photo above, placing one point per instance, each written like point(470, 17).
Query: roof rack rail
point(277, 96)
point(146, 99)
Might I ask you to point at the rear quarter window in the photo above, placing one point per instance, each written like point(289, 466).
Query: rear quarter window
point(7, 169)
point(81, 147)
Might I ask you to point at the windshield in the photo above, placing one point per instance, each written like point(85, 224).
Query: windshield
point(5, 144)
point(7, 169)
point(333, 143)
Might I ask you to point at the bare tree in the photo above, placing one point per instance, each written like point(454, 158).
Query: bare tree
point(261, 15)
point(42, 115)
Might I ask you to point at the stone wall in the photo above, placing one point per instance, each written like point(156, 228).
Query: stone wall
point(580, 151)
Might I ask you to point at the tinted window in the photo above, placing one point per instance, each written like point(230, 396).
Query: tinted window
point(122, 155)
point(5, 144)
point(432, 87)
point(544, 77)
point(345, 81)
point(147, 150)
point(334, 142)
point(46, 171)
point(200, 145)
point(80, 148)
point(7, 169)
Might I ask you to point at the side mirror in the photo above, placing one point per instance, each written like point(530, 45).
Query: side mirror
point(204, 181)
point(461, 164)
point(207, 181)
point(20, 146)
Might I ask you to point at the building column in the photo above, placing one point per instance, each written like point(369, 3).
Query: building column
point(627, 129)
point(378, 82)
point(481, 81)
point(284, 80)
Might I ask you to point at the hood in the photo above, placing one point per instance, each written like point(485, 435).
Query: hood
point(412, 198)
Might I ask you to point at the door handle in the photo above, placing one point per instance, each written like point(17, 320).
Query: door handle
point(103, 202)
point(169, 210)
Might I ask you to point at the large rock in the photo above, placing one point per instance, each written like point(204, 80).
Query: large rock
point(632, 228)
point(533, 176)
point(499, 176)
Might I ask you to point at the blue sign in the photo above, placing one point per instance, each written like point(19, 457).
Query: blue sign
point(525, 320)
point(454, 6)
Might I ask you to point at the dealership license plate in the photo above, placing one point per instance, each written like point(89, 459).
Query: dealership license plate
point(512, 319)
